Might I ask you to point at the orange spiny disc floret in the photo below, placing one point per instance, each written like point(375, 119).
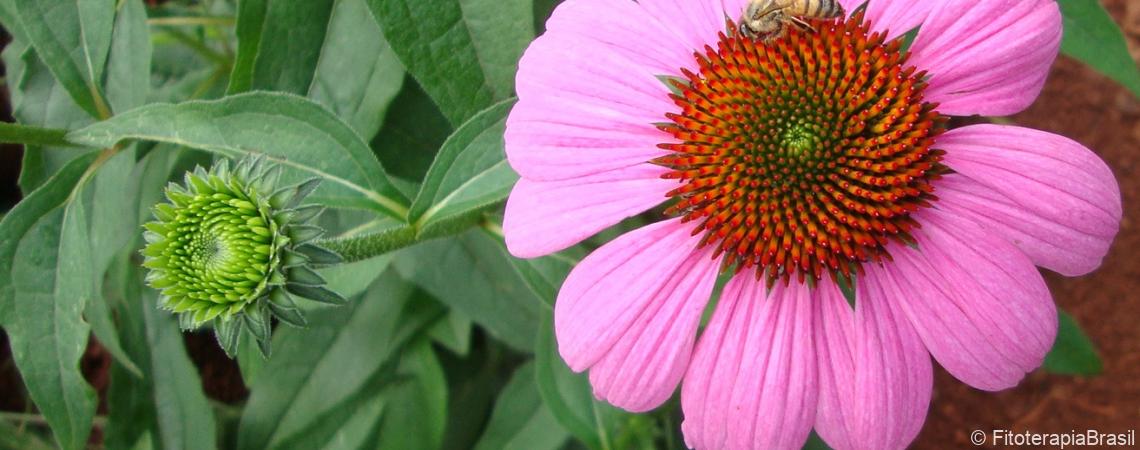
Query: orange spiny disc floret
point(806, 154)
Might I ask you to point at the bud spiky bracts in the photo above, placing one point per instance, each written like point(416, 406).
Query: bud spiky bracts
point(230, 251)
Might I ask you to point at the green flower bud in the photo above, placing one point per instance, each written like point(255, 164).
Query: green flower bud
point(230, 251)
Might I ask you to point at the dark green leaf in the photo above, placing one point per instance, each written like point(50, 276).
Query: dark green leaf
point(415, 411)
point(1093, 38)
point(250, 23)
point(453, 332)
point(358, 74)
point(293, 131)
point(463, 53)
point(472, 274)
point(42, 296)
point(316, 294)
point(279, 44)
point(520, 420)
point(11, 133)
point(1073, 353)
point(73, 39)
point(815, 443)
point(315, 369)
point(13, 437)
point(413, 131)
point(469, 174)
point(569, 396)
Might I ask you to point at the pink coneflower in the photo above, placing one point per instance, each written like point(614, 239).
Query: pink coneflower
point(820, 155)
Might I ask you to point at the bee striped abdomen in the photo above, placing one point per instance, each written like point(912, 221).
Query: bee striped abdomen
point(823, 9)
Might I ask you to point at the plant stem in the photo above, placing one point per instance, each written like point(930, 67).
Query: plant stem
point(369, 245)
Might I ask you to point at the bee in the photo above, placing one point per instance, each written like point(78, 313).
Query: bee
point(767, 20)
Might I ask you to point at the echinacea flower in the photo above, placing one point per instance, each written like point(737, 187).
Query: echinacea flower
point(822, 154)
point(229, 248)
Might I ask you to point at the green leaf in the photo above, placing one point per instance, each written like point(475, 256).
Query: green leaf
point(453, 332)
point(293, 131)
point(13, 437)
point(250, 23)
point(416, 411)
point(469, 174)
point(1073, 353)
point(814, 442)
point(128, 64)
point(358, 75)
point(279, 44)
point(544, 276)
point(11, 133)
point(472, 273)
point(185, 419)
point(42, 295)
point(413, 131)
point(463, 52)
point(73, 39)
point(317, 369)
point(520, 420)
point(113, 205)
point(1093, 38)
point(40, 100)
point(569, 396)
point(168, 402)
point(53, 282)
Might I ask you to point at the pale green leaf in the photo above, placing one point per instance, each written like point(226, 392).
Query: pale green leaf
point(42, 296)
point(316, 370)
point(39, 100)
point(293, 131)
point(469, 174)
point(472, 273)
point(73, 39)
point(168, 401)
point(569, 396)
point(128, 64)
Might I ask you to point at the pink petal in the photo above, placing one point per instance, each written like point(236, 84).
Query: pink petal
point(588, 92)
point(987, 57)
point(694, 23)
point(543, 217)
point(752, 382)
point(1047, 242)
point(978, 303)
point(1048, 175)
point(893, 16)
point(629, 313)
point(874, 372)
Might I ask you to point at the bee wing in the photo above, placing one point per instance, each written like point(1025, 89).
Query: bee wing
point(801, 23)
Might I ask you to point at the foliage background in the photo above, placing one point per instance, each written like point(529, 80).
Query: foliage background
point(447, 341)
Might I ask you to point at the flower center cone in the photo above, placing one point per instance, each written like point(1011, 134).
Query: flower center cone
point(804, 154)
